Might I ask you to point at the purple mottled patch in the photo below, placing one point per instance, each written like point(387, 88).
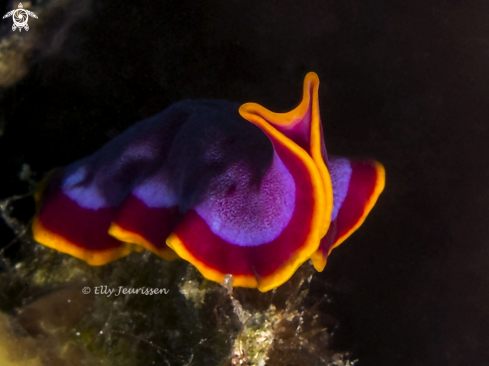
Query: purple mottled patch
point(245, 213)
point(156, 192)
point(86, 196)
point(340, 172)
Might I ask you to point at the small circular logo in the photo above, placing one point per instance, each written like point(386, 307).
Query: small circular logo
point(86, 290)
point(20, 17)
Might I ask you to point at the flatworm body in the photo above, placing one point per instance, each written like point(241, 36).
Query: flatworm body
point(233, 190)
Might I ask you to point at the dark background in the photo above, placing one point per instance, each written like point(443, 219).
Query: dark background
point(404, 82)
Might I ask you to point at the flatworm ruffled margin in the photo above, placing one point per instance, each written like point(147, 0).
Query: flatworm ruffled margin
point(298, 142)
point(303, 126)
point(283, 146)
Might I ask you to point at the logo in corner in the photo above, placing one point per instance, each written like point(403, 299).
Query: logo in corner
point(20, 17)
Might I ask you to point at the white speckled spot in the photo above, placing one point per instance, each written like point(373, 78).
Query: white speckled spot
point(340, 172)
point(85, 196)
point(247, 215)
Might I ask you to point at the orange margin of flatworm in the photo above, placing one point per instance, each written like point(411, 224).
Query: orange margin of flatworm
point(319, 259)
point(252, 113)
point(289, 119)
point(310, 245)
point(379, 187)
point(312, 241)
point(133, 238)
point(94, 258)
point(59, 243)
point(175, 243)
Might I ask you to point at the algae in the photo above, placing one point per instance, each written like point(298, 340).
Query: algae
point(193, 322)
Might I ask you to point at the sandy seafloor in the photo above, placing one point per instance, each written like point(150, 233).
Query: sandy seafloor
point(404, 82)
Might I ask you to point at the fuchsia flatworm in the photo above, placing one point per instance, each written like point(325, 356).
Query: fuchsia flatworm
point(232, 189)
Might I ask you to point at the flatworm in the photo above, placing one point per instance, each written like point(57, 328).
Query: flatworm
point(232, 190)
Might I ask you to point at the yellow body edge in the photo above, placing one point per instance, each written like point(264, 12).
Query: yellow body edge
point(316, 149)
point(132, 238)
point(175, 243)
point(40, 187)
point(312, 241)
point(289, 119)
point(59, 243)
point(321, 184)
point(319, 259)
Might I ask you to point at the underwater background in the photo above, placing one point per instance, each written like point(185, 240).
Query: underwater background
point(404, 82)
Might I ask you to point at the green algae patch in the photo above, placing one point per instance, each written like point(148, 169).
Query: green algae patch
point(143, 310)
